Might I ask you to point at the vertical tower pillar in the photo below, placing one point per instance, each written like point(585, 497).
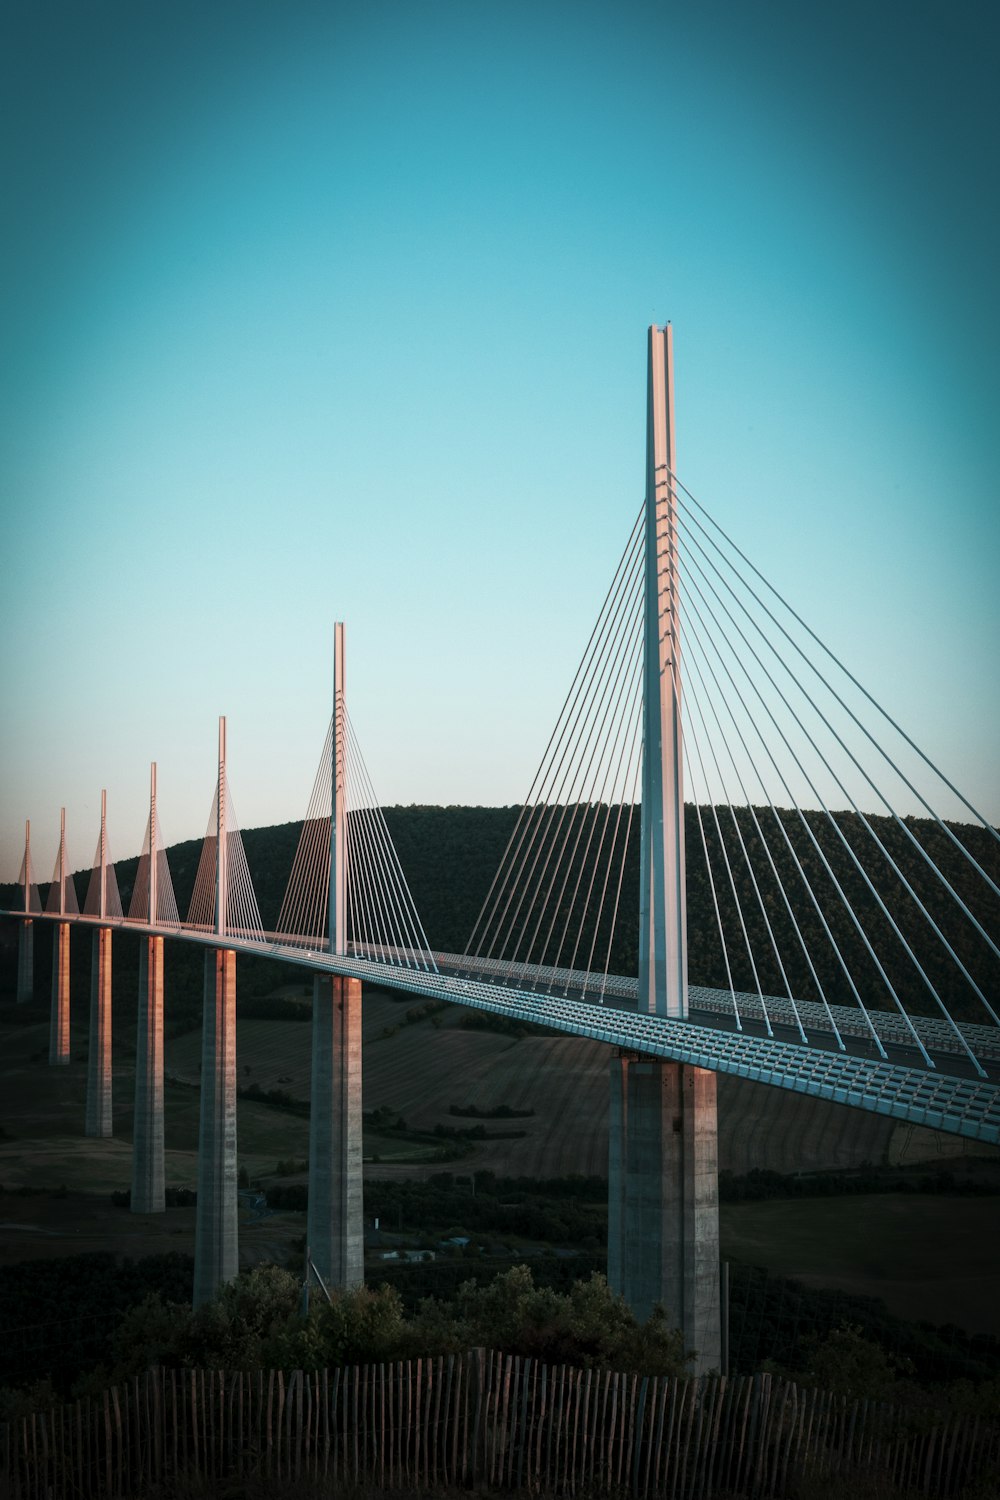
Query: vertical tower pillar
point(663, 1217)
point(216, 1243)
point(148, 1174)
point(335, 1225)
point(25, 961)
point(98, 1119)
point(26, 931)
point(59, 1013)
point(216, 1238)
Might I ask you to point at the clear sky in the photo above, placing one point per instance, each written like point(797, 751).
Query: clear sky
point(316, 311)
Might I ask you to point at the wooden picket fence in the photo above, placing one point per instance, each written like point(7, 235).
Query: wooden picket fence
point(481, 1418)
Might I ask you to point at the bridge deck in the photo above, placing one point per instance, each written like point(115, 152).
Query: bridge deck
point(948, 1098)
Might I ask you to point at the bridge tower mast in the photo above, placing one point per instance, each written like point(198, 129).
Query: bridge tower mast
point(663, 1220)
point(216, 1237)
point(26, 931)
point(59, 1014)
point(335, 1222)
point(148, 1180)
point(98, 1117)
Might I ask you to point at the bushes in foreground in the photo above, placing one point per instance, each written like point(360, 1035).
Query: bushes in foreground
point(259, 1321)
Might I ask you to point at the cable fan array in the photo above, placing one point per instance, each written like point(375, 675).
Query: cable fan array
point(31, 901)
point(162, 912)
point(797, 912)
point(382, 920)
point(107, 874)
point(242, 917)
point(551, 913)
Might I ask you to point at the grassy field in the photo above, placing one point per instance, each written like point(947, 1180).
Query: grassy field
point(927, 1256)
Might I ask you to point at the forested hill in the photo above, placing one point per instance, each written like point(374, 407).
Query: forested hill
point(450, 856)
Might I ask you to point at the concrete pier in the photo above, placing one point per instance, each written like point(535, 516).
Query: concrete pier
point(147, 1128)
point(335, 1230)
point(663, 1207)
point(97, 1120)
point(59, 1014)
point(25, 961)
point(216, 1240)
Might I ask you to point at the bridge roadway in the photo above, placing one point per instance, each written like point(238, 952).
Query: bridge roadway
point(949, 1097)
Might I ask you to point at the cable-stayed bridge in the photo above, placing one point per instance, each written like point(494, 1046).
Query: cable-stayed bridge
point(681, 818)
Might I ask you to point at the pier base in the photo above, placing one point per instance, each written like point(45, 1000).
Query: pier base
point(59, 1014)
point(147, 1128)
point(25, 961)
point(97, 1121)
point(663, 1207)
point(216, 1236)
point(335, 1232)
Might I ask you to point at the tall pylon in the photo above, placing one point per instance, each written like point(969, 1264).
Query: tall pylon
point(62, 902)
point(335, 1222)
point(663, 1222)
point(148, 1166)
point(26, 930)
point(216, 1241)
point(662, 905)
point(98, 1116)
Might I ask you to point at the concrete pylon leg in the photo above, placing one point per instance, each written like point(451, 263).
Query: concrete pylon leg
point(59, 1015)
point(335, 1227)
point(98, 1116)
point(25, 961)
point(216, 1237)
point(663, 1221)
point(147, 1126)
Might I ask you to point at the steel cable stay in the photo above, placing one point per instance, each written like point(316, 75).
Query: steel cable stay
point(579, 793)
point(859, 926)
point(850, 677)
point(698, 657)
point(791, 848)
point(398, 896)
point(741, 658)
point(742, 665)
point(691, 608)
point(688, 726)
point(873, 833)
point(304, 909)
point(607, 797)
point(939, 822)
point(487, 915)
point(379, 928)
point(562, 760)
point(112, 895)
point(559, 779)
point(166, 905)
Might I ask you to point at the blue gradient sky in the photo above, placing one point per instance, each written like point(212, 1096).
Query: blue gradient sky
point(318, 311)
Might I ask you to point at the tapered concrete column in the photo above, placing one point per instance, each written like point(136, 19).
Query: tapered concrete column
point(97, 1121)
point(663, 1229)
point(147, 1127)
point(335, 1227)
point(59, 1014)
point(216, 1240)
point(25, 961)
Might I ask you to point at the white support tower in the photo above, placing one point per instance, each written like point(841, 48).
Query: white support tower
point(26, 930)
point(216, 1242)
point(59, 1045)
point(98, 1118)
point(338, 818)
point(335, 1224)
point(662, 904)
point(148, 1180)
point(663, 1220)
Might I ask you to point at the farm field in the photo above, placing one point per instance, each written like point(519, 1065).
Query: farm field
point(927, 1256)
